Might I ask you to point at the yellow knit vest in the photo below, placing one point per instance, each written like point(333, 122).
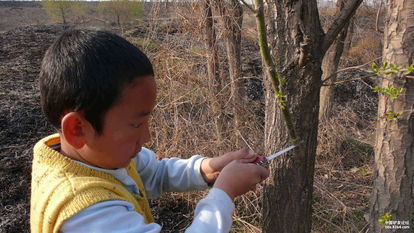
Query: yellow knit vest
point(61, 188)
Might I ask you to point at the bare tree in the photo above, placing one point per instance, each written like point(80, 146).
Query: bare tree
point(298, 47)
point(231, 15)
point(58, 9)
point(64, 10)
point(214, 78)
point(329, 67)
point(121, 10)
point(393, 193)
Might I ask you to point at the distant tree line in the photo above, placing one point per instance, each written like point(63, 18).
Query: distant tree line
point(76, 11)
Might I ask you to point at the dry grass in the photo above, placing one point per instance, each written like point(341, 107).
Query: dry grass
point(182, 126)
point(343, 174)
point(365, 50)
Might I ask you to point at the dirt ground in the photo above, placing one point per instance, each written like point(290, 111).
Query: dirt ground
point(14, 14)
point(21, 120)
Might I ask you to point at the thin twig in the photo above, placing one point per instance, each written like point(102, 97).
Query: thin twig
point(238, 131)
point(349, 68)
point(256, 229)
point(349, 80)
point(362, 230)
point(327, 221)
point(368, 76)
point(366, 84)
point(330, 194)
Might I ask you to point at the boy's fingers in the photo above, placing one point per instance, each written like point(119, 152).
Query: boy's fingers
point(264, 173)
point(243, 153)
point(248, 159)
point(251, 153)
point(260, 172)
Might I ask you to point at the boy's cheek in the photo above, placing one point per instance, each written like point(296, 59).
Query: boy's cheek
point(129, 149)
point(118, 136)
point(122, 147)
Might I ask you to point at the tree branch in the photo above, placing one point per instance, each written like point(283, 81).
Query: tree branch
point(348, 68)
point(351, 79)
point(338, 24)
point(270, 68)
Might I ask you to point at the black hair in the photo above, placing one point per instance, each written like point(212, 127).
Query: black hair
point(86, 70)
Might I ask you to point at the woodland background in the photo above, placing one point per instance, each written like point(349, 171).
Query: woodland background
point(185, 120)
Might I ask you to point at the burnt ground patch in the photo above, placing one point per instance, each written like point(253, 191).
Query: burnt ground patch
point(21, 120)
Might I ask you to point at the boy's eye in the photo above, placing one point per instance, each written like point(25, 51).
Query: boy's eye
point(136, 125)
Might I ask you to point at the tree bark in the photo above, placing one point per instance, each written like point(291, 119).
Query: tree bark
point(329, 67)
point(393, 190)
point(288, 192)
point(231, 14)
point(214, 79)
point(298, 46)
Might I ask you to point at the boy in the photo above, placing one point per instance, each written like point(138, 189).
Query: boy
point(98, 91)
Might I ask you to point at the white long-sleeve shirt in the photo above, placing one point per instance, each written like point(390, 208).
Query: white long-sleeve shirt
point(212, 214)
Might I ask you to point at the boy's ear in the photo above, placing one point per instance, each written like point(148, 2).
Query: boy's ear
point(74, 127)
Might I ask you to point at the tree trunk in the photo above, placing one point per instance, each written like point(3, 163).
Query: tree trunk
point(329, 67)
point(288, 193)
point(231, 13)
point(214, 79)
point(298, 46)
point(118, 21)
point(349, 37)
point(62, 13)
point(394, 149)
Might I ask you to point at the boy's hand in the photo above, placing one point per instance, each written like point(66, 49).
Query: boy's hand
point(211, 167)
point(240, 176)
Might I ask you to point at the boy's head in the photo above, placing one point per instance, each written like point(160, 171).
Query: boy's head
point(86, 70)
point(98, 90)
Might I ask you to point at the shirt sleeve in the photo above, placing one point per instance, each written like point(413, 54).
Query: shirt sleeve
point(212, 215)
point(170, 174)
